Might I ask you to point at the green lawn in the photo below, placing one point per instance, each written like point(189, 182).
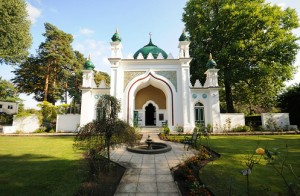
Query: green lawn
point(223, 176)
point(31, 165)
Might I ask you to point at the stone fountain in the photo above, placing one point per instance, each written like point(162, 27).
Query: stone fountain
point(150, 147)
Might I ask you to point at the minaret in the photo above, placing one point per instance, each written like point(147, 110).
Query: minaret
point(116, 45)
point(184, 45)
point(88, 74)
point(211, 73)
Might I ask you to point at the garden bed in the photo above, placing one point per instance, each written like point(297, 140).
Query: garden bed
point(103, 183)
point(187, 175)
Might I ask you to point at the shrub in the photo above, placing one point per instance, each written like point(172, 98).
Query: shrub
point(242, 128)
point(6, 119)
point(166, 130)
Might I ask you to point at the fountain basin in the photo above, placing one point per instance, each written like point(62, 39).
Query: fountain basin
point(156, 148)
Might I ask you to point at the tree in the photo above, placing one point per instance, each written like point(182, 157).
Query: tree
point(252, 42)
point(107, 131)
point(289, 101)
point(15, 38)
point(47, 74)
point(8, 91)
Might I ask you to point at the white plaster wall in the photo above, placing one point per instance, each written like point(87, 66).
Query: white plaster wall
point(26, 124)
point(67, 122)
point(9, 129)
point(237, 119)
point(280, 119)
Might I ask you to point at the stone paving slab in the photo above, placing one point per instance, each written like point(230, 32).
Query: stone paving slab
point(149, 174)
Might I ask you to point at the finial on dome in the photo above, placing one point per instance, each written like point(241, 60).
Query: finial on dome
point(211, 64)
point(117, 30)
point(210, 56)
point(150, 34)
point(89, 58)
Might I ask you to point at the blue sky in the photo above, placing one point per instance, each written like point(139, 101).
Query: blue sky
point(93, 22)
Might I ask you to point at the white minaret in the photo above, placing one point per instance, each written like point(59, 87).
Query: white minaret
point(116, 45)
point(183, 46)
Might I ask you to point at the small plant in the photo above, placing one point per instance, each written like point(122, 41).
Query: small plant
point(42, 129)
point(19, 132)
point(166, 129)
point(242, 128)
point(227, 125)
point(179, 128)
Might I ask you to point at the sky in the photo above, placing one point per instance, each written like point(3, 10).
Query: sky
point(93, 22)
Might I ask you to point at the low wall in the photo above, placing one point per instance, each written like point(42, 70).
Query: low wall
point(25, 124)
point(275, 120)
point(236, 119)
point(67, 122)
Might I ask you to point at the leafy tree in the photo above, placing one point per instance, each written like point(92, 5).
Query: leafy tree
point(75, 79)
point(99, 76)
point(47, 74)
point(8, 91)
point(107, 131)
point(57, 54)
point(252, 42)
point(15, 38)
point(289, 101)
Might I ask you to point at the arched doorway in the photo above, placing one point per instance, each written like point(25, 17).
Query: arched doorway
point(199, 113)
point(150, 115)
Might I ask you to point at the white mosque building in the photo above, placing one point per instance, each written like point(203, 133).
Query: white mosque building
point(154, 88)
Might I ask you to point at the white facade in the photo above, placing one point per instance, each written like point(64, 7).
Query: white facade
point(155, 89)
point(8, 107)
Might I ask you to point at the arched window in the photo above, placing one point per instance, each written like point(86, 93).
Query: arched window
point(199, 113)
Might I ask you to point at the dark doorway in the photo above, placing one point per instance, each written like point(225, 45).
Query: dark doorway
point(150, 115)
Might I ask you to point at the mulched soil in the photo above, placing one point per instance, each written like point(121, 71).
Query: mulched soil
point(105, 184)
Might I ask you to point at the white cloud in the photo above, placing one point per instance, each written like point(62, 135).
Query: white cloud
point(33, 13)
point(86, 31)
point(98, 50)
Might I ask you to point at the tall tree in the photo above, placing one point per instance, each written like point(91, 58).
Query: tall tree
point(252, 43)
point(46, 74)
point(75, 79)
point(8, 92)
point(15, 38)
point(57, 55)
point(289, 101)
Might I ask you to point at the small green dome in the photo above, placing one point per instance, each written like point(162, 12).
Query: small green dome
point(211, 63)
point(183, 37)
point(150, 48)
point(88, 65)
point(116, 37)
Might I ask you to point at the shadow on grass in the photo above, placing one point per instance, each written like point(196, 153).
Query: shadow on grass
point(31, 174)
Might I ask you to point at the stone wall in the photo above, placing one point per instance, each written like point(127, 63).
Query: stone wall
point(67, 122)
point(231, 120)
point(24, 124)
point(271, 121)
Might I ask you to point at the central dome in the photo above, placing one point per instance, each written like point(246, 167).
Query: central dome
point(150, 48)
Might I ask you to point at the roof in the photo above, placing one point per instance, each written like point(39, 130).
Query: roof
point(150, 48)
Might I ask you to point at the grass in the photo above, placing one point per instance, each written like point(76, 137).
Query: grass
point(39, 166)
point(223, 176)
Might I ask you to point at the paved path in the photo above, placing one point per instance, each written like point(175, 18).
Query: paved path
point(149, 175)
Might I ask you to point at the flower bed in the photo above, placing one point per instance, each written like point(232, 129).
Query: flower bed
point(187, 174)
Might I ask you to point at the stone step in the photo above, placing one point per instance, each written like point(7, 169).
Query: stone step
point(149, 130)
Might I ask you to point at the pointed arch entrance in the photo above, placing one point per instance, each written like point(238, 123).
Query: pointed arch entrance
point(156, 81)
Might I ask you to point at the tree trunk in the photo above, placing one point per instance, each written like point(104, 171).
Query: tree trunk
point(46, 82)
point(228, 97)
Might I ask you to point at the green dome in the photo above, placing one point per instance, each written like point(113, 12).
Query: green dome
point(211, 63)
point(116, 37)
point(183, 37)
point(88, 65)
point(150, 48)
